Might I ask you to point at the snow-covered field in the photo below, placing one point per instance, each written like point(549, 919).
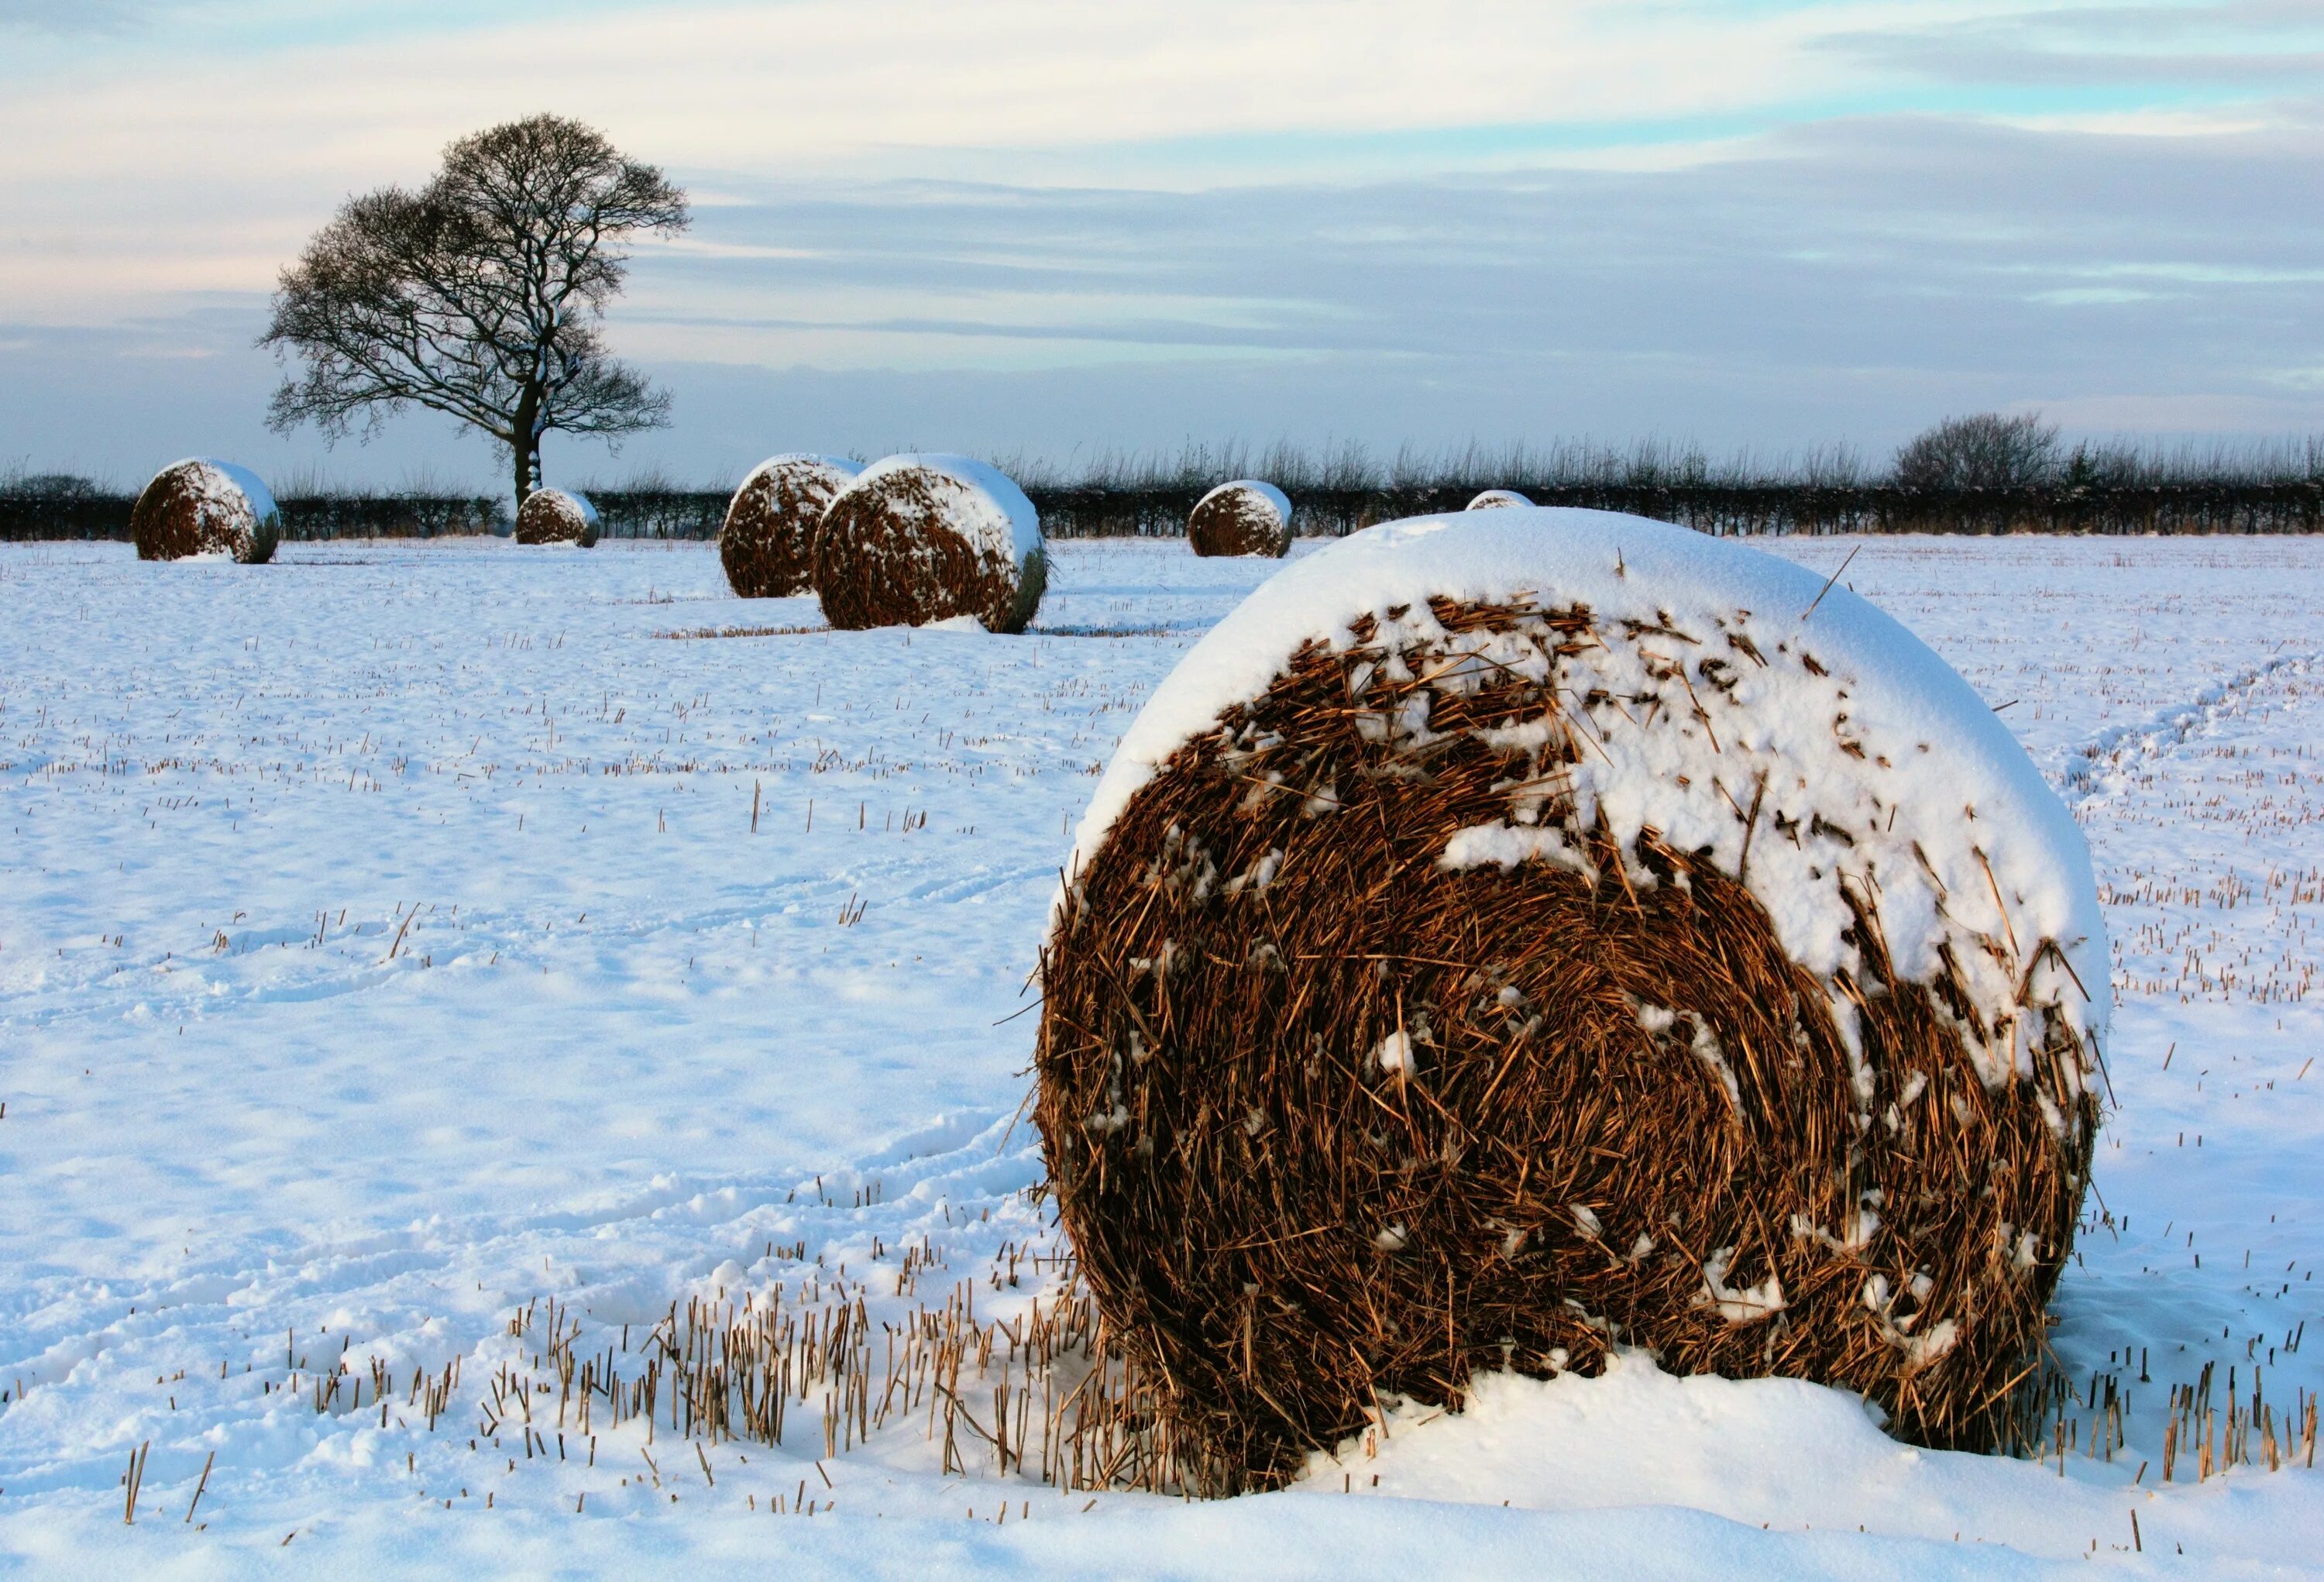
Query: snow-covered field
point(387, 951)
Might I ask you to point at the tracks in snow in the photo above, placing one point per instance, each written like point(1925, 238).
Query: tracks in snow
point(75, 1362)
point(2102, 765)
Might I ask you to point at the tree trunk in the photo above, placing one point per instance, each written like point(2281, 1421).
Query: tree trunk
point(526, 443)
point(528, 467)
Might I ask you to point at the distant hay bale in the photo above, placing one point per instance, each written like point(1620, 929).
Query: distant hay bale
point(768, 543)
point(1497, 500)
point(557, 516)
point(1245, 517)
point(1506, 937)
point(918, 539)
point(200, 508)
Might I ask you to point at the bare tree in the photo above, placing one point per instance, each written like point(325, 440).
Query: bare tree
point(1982, 451)
point(482, 295)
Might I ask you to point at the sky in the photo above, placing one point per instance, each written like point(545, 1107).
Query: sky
point(1063, 230)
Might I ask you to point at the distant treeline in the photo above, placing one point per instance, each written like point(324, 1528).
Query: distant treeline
point(1978, 475)
point(53, 506)
point(1741, 509)
point(1727, 509)
point(1983, 474)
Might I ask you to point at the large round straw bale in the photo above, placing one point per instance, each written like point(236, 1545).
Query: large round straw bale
point(917, 538)
point(557, 516)
point(1497, 500)
point(200, 507)
point(1245, 517)
point(768, 543)
point(1509, 936)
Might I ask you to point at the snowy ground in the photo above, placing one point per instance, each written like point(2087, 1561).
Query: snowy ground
point(385, 949)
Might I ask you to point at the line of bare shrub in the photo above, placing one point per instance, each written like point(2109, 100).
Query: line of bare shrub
point(1747, 509)
point(1081, 513)
point(32, 517)
point(1341, 488)
point(2041, 487)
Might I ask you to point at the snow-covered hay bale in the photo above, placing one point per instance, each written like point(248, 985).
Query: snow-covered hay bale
point(557, 516)
point(917, 538)
point(1497, 500)
point(1246, 517)
point(205, 508)
point(767, 541)
point(1513, 935)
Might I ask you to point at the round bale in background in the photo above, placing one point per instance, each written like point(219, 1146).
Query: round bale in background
point(205, 508)
point(918, 539)
point(1492, 945)
point(1245, 517)
point(768, 543)
point(557, 516)
point(1497, 500)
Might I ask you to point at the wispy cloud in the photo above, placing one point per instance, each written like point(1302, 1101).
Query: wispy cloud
point(72, 16)
point(2192, 51)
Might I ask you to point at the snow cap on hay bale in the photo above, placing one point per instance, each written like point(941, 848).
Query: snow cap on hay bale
point(768, 543)
point(203, 508)
point(1493, 945)
point(557, 516)
point(1246, 517)
point(1497, 500)
point(919, 538)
